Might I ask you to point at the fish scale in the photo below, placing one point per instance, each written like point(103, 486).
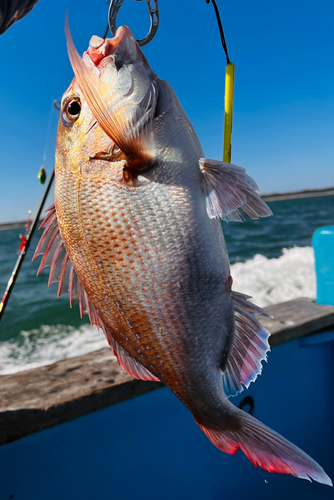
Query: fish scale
point(135, 235)
point(129, 291)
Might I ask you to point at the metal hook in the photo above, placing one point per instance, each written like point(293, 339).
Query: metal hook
point(115, 5)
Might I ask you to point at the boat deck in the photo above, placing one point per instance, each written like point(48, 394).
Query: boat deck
point(37, 399)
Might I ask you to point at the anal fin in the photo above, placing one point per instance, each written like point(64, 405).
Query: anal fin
point(249, 348)
point(128, 364)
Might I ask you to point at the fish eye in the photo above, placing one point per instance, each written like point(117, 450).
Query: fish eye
point(71, 109)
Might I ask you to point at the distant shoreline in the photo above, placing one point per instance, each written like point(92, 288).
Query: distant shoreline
point(294, 195)
point(290, 195)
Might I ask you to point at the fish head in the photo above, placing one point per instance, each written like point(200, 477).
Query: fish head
point(107, 113)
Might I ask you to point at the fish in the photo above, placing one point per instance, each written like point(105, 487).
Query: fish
point(135, 235)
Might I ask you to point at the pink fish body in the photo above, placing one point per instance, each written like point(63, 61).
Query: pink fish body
point(135, 236)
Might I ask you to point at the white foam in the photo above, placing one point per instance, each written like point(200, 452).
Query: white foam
point(46, 345)
point(270, 281)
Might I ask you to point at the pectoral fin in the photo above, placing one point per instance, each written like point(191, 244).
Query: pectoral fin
point(228, 190)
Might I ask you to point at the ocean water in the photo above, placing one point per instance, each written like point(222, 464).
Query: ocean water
point(271, 259)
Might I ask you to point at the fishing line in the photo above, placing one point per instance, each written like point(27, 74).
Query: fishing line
point(229, 92)
point(222, 35)
point(47, 135)
point(42, 173)
point(106, 32)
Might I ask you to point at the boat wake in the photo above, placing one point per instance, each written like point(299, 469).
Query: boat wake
point(268, 281)
point(46, 345)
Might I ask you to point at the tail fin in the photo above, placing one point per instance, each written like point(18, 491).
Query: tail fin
point(266, 448)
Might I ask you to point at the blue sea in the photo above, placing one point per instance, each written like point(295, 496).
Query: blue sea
point(271, 260)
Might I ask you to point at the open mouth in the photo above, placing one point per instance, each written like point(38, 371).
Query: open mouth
point(100, 48)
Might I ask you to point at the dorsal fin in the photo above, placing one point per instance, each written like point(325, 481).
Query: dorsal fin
point(63, 272)
point(228, 190)
point(249, 348)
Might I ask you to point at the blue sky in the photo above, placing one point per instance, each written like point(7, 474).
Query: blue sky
point(283, 108)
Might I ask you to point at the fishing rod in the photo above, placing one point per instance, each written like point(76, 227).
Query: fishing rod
point(24, 249)
point(26, 241)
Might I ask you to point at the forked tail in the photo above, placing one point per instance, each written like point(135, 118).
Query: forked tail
point(265, 447)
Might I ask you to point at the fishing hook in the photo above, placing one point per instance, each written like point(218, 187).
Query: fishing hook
point(115, 5)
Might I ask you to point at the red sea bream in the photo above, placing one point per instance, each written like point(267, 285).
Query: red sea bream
point(135, 235)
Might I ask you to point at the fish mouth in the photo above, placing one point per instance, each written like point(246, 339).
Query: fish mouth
point(100, 48)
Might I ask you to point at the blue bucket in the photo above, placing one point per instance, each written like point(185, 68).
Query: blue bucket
point(323, 244)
